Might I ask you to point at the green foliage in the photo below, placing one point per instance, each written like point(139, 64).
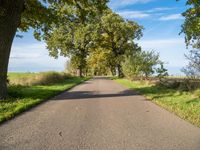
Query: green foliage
point(99, 61)
point(140, 63)
point(161, 72)
point(150, 60)
point(185, 104)
point(132, 66)
point(73, 35)
point(191, 26)
point(40, 15)
point(118, 35)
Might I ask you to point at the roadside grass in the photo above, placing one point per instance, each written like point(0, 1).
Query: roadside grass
point(22, 98)
point(184, 104)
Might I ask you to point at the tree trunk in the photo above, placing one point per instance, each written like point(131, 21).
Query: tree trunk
point(80, 72)
point(119, 71)
point(10, 16)
point(112, 70)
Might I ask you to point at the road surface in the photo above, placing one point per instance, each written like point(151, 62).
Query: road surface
point(98, 115)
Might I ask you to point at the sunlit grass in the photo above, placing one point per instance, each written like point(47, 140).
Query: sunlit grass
point(22, 98)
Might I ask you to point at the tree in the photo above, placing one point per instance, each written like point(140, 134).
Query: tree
point(78, 63)
point(140, 63)
point(72, 40)
point(132, 65)
point(13, 14)
point(99, 60)
point(118, 35)
point(161, 72)
point(191, 26)
point(192, 70)
point(150, 60)
point(37, 14)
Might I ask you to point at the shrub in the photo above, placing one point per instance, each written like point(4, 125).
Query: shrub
point(43, 78)
point(140, 64)
point(182, 85)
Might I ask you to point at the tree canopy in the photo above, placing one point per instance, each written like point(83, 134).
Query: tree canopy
point(118, 35)
point(191, 26)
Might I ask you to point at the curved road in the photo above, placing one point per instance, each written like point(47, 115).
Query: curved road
point(98, 115)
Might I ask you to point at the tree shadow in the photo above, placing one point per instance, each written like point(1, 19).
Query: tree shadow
point(158, 92)
point(73, 95)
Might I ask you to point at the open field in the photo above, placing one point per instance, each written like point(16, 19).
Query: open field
point(42, 78)
point(184, 104)
point(22, 97)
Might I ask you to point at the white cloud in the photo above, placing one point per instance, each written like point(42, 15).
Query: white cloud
point(33, 57)
point(133, 14)
point(24, 56)
point(158, 9)
point(154, 13)
point(161, 43)
point(28, 51)
point(171, 17)
point(127, 2)
point(171, 50)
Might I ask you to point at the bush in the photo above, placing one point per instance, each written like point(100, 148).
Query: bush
point(182, 85)
point(43, 78)
point(48, 78)
point(141, 64)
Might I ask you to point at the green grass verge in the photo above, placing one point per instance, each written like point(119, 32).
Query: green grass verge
point(22, 98)
point(185, 104)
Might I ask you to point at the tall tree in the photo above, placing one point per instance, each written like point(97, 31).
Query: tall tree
point(73, 35)
point(118, 35)
point(191, 28)
point(38, 14)
point(12, 16)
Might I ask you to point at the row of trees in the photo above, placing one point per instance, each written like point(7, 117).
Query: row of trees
point(99, 43)
point(131, 60)
point(86, 31)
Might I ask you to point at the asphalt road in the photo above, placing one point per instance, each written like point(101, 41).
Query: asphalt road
point(98, 115)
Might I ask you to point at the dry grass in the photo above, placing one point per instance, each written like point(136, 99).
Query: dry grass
point(43, 78)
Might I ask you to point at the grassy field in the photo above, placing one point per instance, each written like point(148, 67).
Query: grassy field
point(42, 78)
point(185, 104)
point(16, 75)
point(22, 98)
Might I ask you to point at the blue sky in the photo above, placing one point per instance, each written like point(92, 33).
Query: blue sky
point(162, 22)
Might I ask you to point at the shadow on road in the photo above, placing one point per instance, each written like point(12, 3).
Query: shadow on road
point(92, 94)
